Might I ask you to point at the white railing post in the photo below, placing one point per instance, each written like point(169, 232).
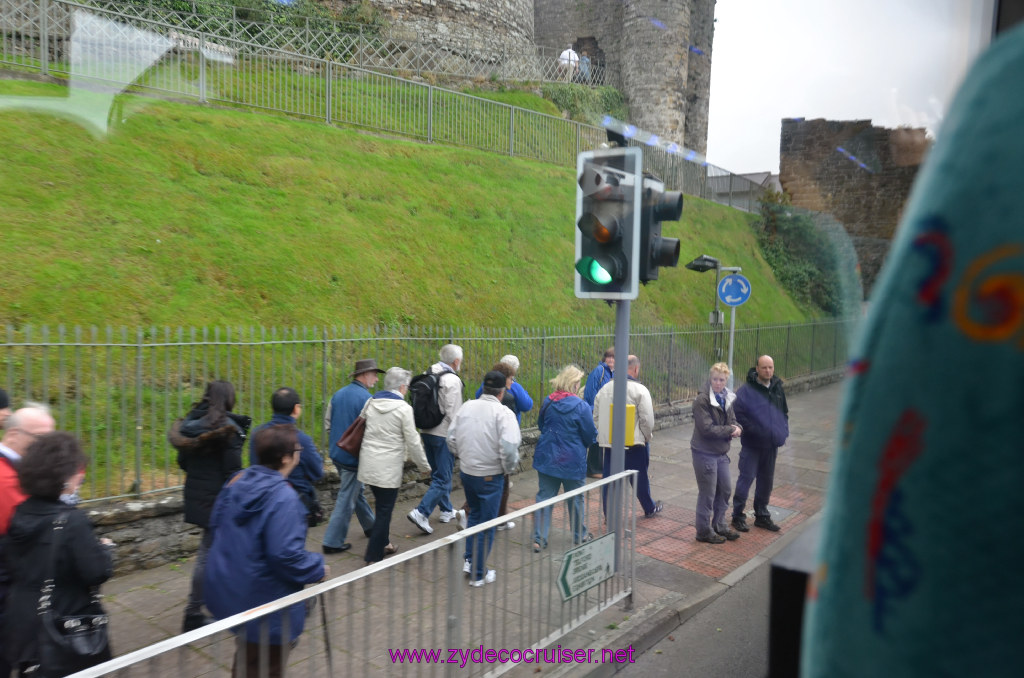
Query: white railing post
point(430, 114)
point(44, 37)
point(202, 67)
point(330, 83)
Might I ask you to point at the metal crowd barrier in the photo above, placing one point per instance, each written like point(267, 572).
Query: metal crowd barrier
point(409, 612)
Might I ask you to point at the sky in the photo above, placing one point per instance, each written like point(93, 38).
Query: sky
point(895, 62)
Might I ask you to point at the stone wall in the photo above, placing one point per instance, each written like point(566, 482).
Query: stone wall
point(858, 173)
point(150, 532)
point(458, 24)
point(698, 77)
point(657, 52)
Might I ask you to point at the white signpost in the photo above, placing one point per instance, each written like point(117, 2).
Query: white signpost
point(586, 566)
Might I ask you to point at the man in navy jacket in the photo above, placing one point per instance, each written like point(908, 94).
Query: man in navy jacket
point(762, 411)
point(287, 407)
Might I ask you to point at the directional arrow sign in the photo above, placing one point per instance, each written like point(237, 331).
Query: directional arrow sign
point(734, 290)
point(586, 566)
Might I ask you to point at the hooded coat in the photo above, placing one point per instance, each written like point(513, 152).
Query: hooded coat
point(389, 440)
point(258, 553)
point(81, 564)
point(567, 429)
point(763, 413)
point(209, 455)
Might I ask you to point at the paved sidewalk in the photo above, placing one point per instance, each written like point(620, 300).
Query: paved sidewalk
point(676, 575)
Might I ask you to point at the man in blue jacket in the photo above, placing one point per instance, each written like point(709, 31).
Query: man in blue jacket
point(762, 411)
point(600, 376)
point(287, 407)
point(345, 406)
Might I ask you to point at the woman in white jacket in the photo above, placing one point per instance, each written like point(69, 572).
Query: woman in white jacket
point(390, 438)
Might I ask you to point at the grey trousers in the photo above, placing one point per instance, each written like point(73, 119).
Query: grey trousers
point(713, 489)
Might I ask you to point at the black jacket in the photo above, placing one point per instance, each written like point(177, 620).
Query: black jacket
point(209, 456)
point(81, 563)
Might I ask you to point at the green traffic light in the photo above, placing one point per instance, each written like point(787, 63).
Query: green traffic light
point(589, 268)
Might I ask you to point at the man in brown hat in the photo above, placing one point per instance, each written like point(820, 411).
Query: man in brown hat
point(345, 406)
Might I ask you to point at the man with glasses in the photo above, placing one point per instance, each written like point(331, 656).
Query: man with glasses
point(21, 430)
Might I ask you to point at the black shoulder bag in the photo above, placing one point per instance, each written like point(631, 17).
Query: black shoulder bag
point(72, 643)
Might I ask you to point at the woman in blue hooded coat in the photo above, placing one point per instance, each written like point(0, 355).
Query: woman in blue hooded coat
point(566, 424)
point(258, 553)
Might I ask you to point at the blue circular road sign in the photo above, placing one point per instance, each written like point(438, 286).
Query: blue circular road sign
point(734, 290)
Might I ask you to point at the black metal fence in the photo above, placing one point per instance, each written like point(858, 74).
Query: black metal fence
point(119, 390)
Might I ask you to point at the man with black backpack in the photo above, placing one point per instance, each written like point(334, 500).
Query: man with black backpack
point(436, 397)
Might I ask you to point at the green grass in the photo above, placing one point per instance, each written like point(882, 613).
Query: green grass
point(184, 214)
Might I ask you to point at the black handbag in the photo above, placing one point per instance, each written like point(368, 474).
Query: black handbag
point(74, 642)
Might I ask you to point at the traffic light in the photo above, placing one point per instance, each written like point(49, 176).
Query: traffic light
point(607, 223)
point(658, 206)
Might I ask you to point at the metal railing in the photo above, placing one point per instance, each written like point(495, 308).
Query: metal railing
point(362, 622)
point(118, 390)
point(379, 48)
point(185, 62)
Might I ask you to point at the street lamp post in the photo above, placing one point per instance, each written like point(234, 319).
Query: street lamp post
point(702, 264)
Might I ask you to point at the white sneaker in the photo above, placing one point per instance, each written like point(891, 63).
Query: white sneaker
point(420, 521)
point(488, 579)
point(446, 516)
point(462, 519)
point(510, 525)
point(466, 567)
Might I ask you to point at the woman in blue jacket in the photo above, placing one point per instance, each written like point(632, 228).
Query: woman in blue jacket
point(566, 425)
point(258, 553)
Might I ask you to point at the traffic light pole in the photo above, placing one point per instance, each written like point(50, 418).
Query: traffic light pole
point(619, 386)
point(618, 462)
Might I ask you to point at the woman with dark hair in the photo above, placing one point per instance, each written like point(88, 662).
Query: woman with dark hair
point(209, 442)
point(51, 471)
point(258, 553)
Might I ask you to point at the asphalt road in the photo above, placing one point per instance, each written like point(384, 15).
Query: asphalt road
point(727, 639)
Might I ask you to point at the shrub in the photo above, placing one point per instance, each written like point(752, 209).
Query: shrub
point(804, 257)
point(586, 104)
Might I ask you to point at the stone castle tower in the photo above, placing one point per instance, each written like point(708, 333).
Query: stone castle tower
point(656, 52)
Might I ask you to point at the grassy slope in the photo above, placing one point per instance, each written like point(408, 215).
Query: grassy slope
point(196, 216)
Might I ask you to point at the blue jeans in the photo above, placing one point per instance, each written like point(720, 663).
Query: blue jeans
point(484, 496)
point(350, 497)
point(547, 487)
point(441, 466)
point(759, 464)
point(637, 458)
point(713, 489)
